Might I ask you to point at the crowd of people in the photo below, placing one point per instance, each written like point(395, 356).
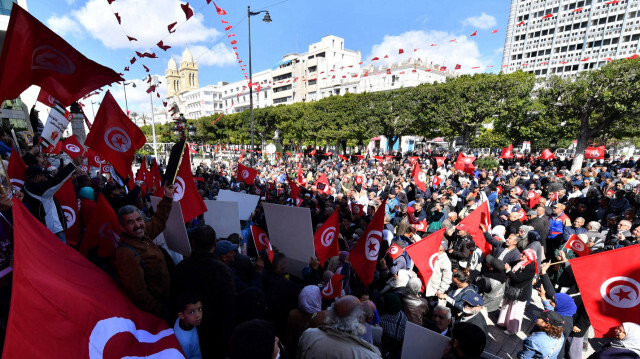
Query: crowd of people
point(228, 300)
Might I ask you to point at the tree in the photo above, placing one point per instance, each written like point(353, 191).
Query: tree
point(596, 102)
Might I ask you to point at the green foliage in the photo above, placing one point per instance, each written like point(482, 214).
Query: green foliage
point(491, 138)
point(485, 163)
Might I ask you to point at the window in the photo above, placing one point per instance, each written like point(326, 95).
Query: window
point(5, 6)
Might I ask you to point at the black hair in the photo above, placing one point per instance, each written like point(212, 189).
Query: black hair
point(202, 238)
point(461, 276)
point(186, 298)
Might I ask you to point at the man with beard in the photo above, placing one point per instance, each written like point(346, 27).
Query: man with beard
point(141, 264)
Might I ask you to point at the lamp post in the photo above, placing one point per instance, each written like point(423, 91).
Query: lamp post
point(92, 110)
point(154, 82)
point(178, 127)
point(124, 86)
point(267, 19)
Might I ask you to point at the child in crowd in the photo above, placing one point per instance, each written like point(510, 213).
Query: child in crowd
point(188, 319)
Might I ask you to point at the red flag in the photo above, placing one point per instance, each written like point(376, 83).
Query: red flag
point(419, 177)
point(105, 169)
point(359, 179)
point(494, 31)
point(595, 153)
point(114, 136)
point(103, 231)
point(440, 161)
point(45, 98)
point(131, 38)
point(300, 176)
point(88, 315)
point(261, 241)
point(187, 10)
point(16, 169)
point(507, 152)
point(156, 179)
point(228, 27)
point(425, 253)
point(325, 239)
point(577, 245)
point(66, 195)
point(356, 209)
point(421, 226)
point(471, 224)
point(443, 68)
point(246, 174)
point(578, 9)
point(364, 255)
point(72, 147)
point(520, 23)
point(458, 67)
point(144, 174)
point(400, 51)
point(295, 191)
point(522, 214)
point(609, 283)
point(170, 27)
point(612, 2)
point(388, 71)
point(186, 191)
point(163, 46)
point(375, 59)
point(322, 184)
point(94, 159)
point(395, 251)
point(219, 9)
point(547, 154)
point(547, 16)
point(118, 18)
point(334, 287)
point(465, 163)
point(474, 33)
point(34, 55)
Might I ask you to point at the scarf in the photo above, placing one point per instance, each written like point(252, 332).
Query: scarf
point(530, 256)
point(632, 340)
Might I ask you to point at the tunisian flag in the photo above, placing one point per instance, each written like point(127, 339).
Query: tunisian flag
point(471, 225)
point(156, 179)
point(507, 152)
point(440, 161)
point(594, 153)
point(261, 241)
point(395, 251)
point(72, 147)
point(87, 315)
point(322, 184)
point(356, 209)
point(66, 195)
point(547, 154)
point(246, 174)
point(419, 177)
point(364, 255)
point(425, 253)
point(16, 169)
point(114, 136)
point(334, 287)
point(465, 163)
point(103, 232)
point(34, 55)
point(577, 245)
point(295, 191)
point(186, 191)
point(325, 240)
point(610, 286)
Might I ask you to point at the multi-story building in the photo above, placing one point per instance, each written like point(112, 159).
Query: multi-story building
point(235, 95)
point(558, 37)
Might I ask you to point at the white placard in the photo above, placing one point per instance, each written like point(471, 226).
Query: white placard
point(290, 230)
point(246, 202)
point(175, 233)
point(223, 216)
point(420, 342)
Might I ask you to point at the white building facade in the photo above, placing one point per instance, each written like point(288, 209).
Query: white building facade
point(563, 37)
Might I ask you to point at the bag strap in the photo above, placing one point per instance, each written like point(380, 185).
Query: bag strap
point(554, 349)
point(135, 252)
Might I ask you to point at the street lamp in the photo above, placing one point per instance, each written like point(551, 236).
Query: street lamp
point(267, 19)
point(155, 83)
point(178, 127)
point(92, 110)
point(124, 86)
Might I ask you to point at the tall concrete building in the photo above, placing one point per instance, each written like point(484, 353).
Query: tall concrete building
point(564, 37)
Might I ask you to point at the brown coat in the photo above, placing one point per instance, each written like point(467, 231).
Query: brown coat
point(148, 287)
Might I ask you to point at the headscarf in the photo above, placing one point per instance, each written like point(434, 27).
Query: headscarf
point(310, 300)
point(530, 256)
point(86, 193)
point(632, 340)
point(565, 305)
